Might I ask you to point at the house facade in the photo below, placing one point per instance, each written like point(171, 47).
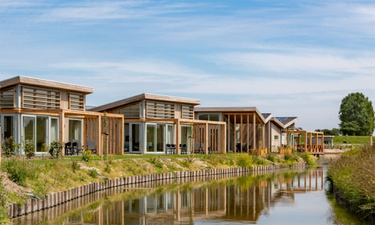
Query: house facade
point(42, 111)
point(156, 124)
point(245, 129)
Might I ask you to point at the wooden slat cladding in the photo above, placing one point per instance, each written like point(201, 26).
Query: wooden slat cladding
point(131, 111)
point(77, 101)
point(7, 98)
point(160, 110)
point(40, 98)
point(187, 112)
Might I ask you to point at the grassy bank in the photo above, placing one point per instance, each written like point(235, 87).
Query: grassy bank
point(352, 139)
point(353, 179)
point(41, 176)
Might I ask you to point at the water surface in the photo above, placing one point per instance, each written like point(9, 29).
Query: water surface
point(288, 197)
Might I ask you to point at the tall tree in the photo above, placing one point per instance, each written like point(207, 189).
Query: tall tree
point(356, 115)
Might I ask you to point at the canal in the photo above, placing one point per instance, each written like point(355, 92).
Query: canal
point(282, 197)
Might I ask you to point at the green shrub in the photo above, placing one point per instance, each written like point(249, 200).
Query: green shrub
point(19, 170)
point(93, 173)
point(272, 157)
point(29, 148)
point(86, 155)
point(9, 147)
point(55, 149)
point(244, 160)
point(75, 166)
point(291, 157)
point(309, 159)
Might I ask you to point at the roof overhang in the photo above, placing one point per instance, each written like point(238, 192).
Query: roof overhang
point(146, 96)
point(45, 84)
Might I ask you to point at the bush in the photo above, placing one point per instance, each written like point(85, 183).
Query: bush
point(55, 149)
point(9, 147)
point(309, 159)
point(244, 160)
point(272, 158)
point(29, 148)
point(93, 173)
point(86, 155)
point(18, 171)
point(291, 157)
point(259, 160)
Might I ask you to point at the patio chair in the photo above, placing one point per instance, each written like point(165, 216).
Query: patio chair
point(183, 148)
point(197, 149)
point(77, 147)
point(173, 148)
point(91, 145)
point(68, 148)
point(168, 149)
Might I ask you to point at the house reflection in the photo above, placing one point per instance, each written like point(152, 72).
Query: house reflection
point(243, 200)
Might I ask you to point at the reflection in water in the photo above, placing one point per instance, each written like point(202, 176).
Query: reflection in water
point(243, 199)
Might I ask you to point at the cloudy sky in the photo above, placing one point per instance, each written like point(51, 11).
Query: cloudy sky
point(290, 58)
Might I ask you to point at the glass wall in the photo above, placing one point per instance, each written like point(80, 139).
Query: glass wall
point(209, 116)
point(41, 134)
point(75, 130)
point(54, 131)
point(160, 137)
point(135, 137)
point(8, 127)
point(151, 134)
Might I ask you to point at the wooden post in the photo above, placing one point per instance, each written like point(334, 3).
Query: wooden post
point(371, 142)
point(241, 133)
point(224, 137)
point(206, 139)
point(254, 132)
point(248, 134)
point(316, 144)
point(99, 147)
point(228, 134)
point(311, 134)
point(235, 134)
point(178, 136)
point(62, 131)
point(305, 141)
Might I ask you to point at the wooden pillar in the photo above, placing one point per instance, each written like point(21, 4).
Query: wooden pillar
point(235, 134)
point(206, 139)
point(263, 139)
point(248, 134)
point(62, 131)
point(228, 134)
point(178, 136)
point(316, 140)
point(322, 143)
point(224, 138)
point(371, 141)
point(122, 135)
point(254, 132)
point(100, 136)
point(241, 133)
point(305, 141)
point(311, 141)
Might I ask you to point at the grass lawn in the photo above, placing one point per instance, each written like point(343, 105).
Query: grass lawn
point(352, 139)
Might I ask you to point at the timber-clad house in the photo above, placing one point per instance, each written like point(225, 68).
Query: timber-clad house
point(42, 112)
point(45, 111)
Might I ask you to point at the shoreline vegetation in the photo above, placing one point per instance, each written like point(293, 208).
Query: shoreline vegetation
point(22, 178)
point(352, 179)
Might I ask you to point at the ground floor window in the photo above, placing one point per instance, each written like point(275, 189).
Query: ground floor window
point(75, 130)
point(40, 130)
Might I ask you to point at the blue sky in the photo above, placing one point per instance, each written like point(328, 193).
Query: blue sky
point(290, 58)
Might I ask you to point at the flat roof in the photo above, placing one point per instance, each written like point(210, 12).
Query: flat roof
point(146, 96)
point(45, 83)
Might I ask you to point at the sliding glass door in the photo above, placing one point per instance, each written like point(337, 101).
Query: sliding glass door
point(75, 130)
point(39, 130)
point(155, 137)
point(8, 123)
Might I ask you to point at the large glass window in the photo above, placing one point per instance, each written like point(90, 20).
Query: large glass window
point(151, 130)
point(160, 138)
point(54, 131)
point(75, 130)
point(135, 137)
point(41, 134)
point(29, 129)
point(8, 127)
